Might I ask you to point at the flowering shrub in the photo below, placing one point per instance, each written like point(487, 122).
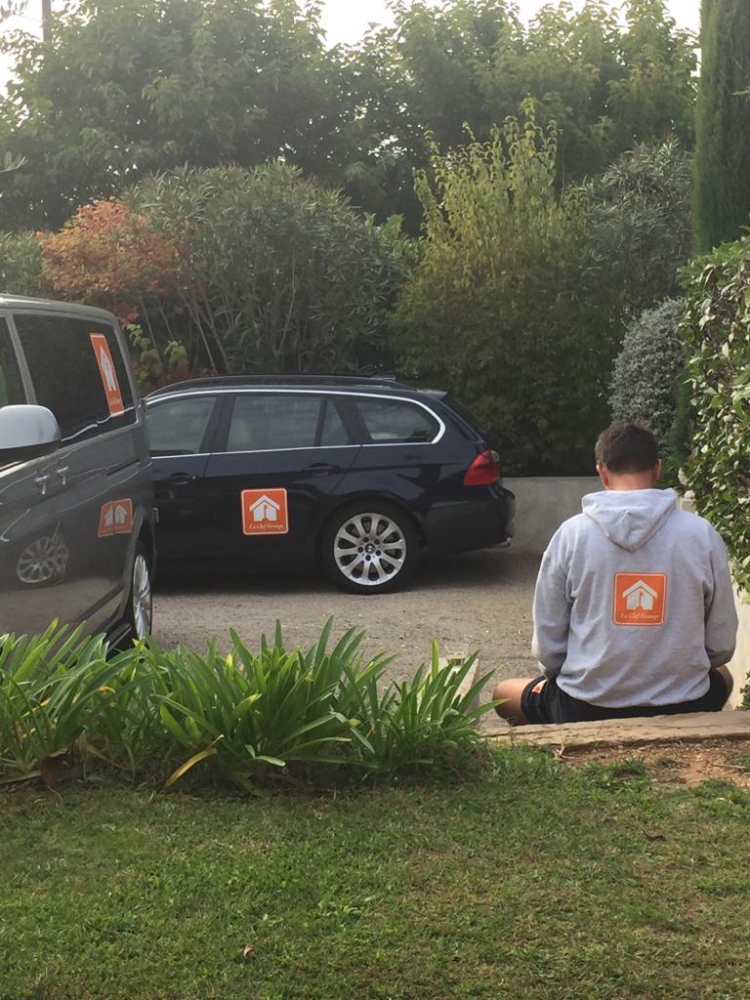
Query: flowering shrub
point(109, 255)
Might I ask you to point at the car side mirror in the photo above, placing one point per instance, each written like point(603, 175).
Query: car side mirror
point(27, 432)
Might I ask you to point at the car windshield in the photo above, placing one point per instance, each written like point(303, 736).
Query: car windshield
point(11, 389)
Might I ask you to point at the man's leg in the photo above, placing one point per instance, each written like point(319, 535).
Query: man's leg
point(511, 692)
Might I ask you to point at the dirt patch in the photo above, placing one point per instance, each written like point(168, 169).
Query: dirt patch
point(677, 764)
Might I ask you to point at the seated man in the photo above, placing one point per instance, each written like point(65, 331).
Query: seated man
point(633, 611)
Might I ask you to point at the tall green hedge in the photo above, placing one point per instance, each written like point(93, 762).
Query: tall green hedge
point(718, 331)
point(722, 172)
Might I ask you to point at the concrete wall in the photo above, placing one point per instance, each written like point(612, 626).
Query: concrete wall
point(740, 665)
point(543, 504)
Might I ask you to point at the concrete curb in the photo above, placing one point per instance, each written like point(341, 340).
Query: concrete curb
point(694, 728)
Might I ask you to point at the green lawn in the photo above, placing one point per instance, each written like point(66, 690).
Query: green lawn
point(534, 882)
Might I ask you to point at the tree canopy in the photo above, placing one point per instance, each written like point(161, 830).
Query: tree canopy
point(123, 88)
point(466, 65)
point(128, 87)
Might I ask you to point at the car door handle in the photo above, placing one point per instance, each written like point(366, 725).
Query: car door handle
point(322, 468)
point(181, 479)
point(62, 472)
point(41, 482)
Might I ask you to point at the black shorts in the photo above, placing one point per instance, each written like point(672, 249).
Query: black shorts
point(543, 703)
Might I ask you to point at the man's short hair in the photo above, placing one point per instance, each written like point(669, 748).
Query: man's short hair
point(627, 449)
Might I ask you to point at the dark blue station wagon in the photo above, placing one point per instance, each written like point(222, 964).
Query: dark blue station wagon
point(360, 475)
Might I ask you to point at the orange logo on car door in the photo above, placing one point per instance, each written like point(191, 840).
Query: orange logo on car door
point(265, 512)
point(116, 518)
point(108, 374)
point(640, 598)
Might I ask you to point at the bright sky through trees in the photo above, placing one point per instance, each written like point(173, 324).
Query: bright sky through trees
point(346, 20)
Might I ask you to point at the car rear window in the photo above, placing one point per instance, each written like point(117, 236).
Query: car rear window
point(78, 373)
point(178, 426)
point(390, 421)
point(11, 387)
point(264, 421)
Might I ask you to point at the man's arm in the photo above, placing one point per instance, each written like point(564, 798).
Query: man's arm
point(721, 614)
point(551, 612)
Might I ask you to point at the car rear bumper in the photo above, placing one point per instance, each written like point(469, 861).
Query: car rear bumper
point(463, 525)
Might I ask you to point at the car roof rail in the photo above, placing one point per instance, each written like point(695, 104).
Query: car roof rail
point(384, 381)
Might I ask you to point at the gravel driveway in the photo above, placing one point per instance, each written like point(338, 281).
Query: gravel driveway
point(481, 600)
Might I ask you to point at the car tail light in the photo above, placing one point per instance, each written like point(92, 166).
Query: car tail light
point(485, 469)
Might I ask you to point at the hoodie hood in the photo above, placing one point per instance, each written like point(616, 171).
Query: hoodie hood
point(629, 518)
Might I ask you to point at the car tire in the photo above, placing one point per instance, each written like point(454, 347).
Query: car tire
point(370, 548)
point(139, 610)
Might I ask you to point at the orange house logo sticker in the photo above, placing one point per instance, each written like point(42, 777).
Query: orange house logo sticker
point(108, 374)
point(265, 512)
point(116, 518)
point(640, 598)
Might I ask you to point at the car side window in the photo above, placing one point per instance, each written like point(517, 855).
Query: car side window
point(263, 421)
point(333, 431)
point(390, 421)
point(178, 426)
point(11, 386)
point(78, 373)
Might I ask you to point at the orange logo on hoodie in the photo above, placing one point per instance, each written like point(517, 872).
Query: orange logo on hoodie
point(640, 598)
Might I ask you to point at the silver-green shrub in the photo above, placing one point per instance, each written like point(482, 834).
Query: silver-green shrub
point(648, 367)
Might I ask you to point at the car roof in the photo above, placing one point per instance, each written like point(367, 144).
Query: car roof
point(50, 305)
point(362, 383)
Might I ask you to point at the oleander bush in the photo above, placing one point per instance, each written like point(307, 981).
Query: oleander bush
point(69, 707)
point(718, 333)
point(638, 220)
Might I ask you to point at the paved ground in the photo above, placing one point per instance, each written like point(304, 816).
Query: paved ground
point(478, 601)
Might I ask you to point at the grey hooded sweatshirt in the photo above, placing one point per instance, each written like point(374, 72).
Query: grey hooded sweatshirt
point(634, 602)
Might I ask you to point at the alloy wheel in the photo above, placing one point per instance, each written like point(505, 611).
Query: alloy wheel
point(141, 597)
point(46, 559)
point(370, 549)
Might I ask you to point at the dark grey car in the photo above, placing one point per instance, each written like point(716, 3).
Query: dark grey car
point(76, 502)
